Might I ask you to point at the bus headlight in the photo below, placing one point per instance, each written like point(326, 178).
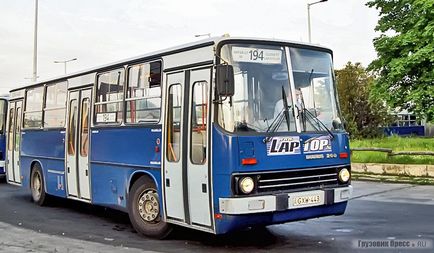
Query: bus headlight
point(344, 175)
point(246, 185)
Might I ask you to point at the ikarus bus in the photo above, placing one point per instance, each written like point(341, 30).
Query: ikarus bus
point(218, 135)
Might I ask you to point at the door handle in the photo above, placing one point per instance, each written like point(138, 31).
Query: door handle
point(69, 170)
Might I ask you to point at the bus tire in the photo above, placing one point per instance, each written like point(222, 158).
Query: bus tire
point(37, 186)
point(144, 209)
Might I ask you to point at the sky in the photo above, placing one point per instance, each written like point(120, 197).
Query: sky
point(98, 32)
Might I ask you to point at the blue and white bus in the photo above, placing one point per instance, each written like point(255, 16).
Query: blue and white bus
point(3, 112)
point(217, 135)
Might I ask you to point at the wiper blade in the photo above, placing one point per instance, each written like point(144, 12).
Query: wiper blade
point(275, 124)
point(285, 107)
point(279, 118)
point(319, 122)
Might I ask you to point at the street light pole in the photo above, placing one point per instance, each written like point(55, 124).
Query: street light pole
point(64, 62)
point(308, 18)
point(35, 45)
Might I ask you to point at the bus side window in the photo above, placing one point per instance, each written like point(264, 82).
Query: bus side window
point(109, 97)
point(33, 109)
point(174, 123)
point(199, 122)
point(2, 116)
point(143, 98)
point(55, 105)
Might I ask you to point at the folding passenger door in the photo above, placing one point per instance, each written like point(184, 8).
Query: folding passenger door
point(186, 133)
point(77, 144)
point(14, 142)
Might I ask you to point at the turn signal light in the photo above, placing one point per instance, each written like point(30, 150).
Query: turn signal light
point(343, 155)
point(249, 161)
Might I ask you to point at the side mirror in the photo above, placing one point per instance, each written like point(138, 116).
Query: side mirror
point(225, 80)
point(338, 124)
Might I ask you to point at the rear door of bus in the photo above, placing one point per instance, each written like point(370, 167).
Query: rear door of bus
point(14, 141)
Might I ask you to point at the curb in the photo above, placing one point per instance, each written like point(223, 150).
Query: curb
point(409, 170)
point(392, 178)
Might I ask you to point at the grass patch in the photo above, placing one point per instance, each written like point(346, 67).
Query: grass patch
point(396, 144)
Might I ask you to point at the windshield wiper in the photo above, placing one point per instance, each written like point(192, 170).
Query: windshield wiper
point(279, 118)
point(285, 107)
point(305, 112)
point(317, 121)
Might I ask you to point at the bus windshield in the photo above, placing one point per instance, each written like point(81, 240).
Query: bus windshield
point(263, 77)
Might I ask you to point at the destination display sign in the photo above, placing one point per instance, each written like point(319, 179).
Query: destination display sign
point(256, 55)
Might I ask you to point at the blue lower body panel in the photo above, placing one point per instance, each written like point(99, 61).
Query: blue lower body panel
point(230, 223)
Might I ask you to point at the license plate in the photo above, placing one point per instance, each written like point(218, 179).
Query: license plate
point(306, 200)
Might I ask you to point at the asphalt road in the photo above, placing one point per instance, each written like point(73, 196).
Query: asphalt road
point(377, 211)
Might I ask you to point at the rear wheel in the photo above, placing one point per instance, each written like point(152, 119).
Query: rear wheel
point(144, 209)
point(37, 186)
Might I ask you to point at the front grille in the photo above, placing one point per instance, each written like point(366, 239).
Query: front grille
point(297, 179)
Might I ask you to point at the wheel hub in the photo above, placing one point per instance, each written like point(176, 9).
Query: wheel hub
point(37, 186)
point(148, 206)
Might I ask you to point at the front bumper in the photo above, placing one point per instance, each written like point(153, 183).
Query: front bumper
point(284, 201)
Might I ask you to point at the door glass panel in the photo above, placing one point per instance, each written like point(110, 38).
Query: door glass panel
point(174, 123)
point(84, 131)
point(199, 117)
point(2, 115)
point(11, 130)
point(18, 130)
point(72, 126)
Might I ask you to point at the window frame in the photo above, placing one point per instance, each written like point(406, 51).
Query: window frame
point(191, 125)
point(82, 127)
point(181, 127)
point(127, 85)
point(75, 129)
point(10, 128)
point(24, 111)
point(44, 107)
point(95, 102)
point(3, 129)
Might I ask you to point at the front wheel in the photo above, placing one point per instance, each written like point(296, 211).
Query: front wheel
point(37, 186)
point(144, 209)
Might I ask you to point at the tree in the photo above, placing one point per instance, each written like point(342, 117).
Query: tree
point(405, 48)
point(363, 113)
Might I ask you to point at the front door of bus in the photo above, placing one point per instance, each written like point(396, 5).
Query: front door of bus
point(77, 144)
point(14, 142)
point(186, 153)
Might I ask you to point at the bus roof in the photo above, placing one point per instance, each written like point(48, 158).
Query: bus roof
point(193, 45)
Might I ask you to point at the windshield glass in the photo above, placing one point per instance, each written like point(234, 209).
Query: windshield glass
point(314, 81)
point(262, 84)
point(260, 73)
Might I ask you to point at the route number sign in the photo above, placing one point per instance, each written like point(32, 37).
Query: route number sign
point(256, 55)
